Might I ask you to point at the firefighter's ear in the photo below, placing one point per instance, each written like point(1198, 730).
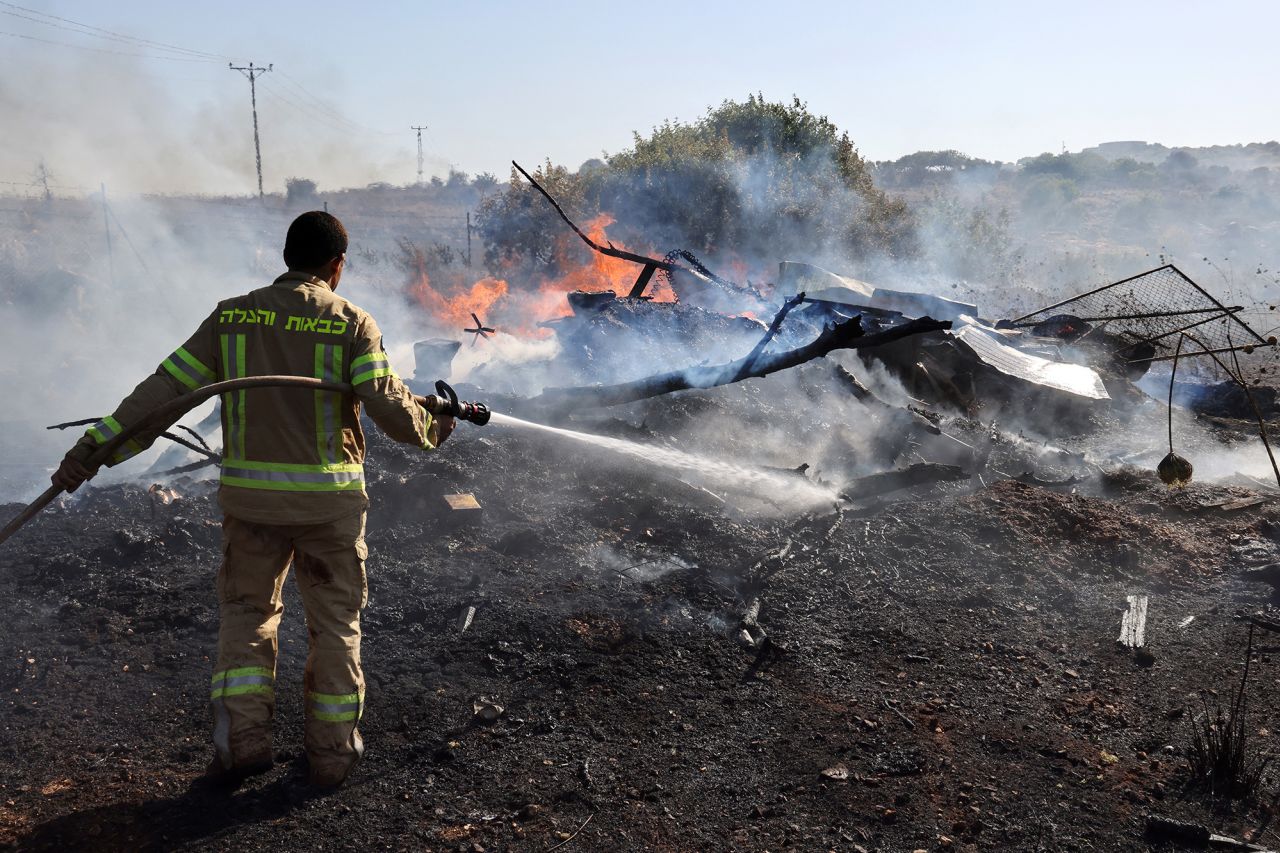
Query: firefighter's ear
point(335, 270)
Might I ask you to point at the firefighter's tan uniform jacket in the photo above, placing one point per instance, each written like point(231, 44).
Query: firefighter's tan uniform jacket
point(292, 490)
point(291, 456)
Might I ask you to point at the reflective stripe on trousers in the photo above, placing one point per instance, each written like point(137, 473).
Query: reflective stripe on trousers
point(228, 683)
point(336, 707)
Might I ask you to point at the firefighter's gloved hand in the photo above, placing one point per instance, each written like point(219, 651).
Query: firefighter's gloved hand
point(444, 427)
point(70, 474)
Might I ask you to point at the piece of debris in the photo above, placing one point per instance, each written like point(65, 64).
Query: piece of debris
point(465, 615)
point(892, 481)
point(1142, 315)
point(162, 494)
point(1264, 623)
point(464, 510)
point(848, 334)
point(1163, 829)
point(1174, 471)
point(986, 343)
point(433, 359)
point(485, 711)
point(815, 283)
point(1133, 626)
point(462, 502)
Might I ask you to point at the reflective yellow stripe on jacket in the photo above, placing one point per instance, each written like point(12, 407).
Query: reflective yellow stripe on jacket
point(289, 477)
point(107, 429)
point(187, 369)
point(370, 366)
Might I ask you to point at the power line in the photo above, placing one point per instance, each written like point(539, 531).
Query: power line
point(97, 49)
point(328, 118)
point(112, 34)
point(305, 94)
point(55, 26)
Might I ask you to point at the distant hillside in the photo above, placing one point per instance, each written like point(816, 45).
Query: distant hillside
point(1057, 222)
point(1255, 155)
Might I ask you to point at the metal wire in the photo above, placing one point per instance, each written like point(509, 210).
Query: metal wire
point(1153, 308)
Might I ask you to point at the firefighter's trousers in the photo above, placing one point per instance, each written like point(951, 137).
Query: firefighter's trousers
point(328, 562)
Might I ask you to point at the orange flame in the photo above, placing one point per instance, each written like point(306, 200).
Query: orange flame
point(456, 310)
point(453, 306)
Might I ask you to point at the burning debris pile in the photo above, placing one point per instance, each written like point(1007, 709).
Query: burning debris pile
point(812, 564)
point(1080, 368)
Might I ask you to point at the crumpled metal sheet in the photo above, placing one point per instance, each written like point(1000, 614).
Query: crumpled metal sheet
point(1060, 375)
point(817, 283)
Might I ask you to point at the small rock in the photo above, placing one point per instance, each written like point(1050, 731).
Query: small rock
point(486, 711)
point(530, 811)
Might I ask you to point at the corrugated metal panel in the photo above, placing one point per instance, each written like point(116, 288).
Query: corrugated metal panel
point(1072, 378)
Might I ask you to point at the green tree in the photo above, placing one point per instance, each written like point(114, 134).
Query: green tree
point(755, 178)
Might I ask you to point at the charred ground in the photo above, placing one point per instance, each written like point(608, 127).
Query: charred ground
point(949, 658)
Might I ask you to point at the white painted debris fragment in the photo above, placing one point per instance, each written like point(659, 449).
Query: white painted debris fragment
point(838, 771)
point(1133, 627)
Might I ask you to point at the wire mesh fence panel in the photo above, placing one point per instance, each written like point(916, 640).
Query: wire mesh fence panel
point(1152, 311)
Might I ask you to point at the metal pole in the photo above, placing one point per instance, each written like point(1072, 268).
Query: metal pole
point(468, 238)
point(419, 128)
point(257, 146)
point(1218, 311)
point(106, 224)
point(253, 73)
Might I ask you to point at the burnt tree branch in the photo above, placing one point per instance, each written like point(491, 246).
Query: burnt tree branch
point(668, 265)
point(604, 250)
point(846, 335)
point(769, 335)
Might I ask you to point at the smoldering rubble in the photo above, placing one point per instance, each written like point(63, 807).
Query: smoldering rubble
point(810, 563)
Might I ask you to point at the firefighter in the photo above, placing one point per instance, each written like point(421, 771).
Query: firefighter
point(292, 490)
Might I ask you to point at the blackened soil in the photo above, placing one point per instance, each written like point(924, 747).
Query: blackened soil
point(950, 661)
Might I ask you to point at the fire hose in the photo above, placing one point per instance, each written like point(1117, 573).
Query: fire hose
point(444, 402)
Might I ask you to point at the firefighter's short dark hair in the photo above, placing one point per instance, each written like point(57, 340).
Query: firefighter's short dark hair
point(314, 239)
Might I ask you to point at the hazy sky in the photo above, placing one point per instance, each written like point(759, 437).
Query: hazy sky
point(497, 81)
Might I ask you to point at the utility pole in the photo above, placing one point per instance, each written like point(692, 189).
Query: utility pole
point(468, 238)
point(253, 74)
point(106, 224)
point(419, 128)
point(42, 176)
